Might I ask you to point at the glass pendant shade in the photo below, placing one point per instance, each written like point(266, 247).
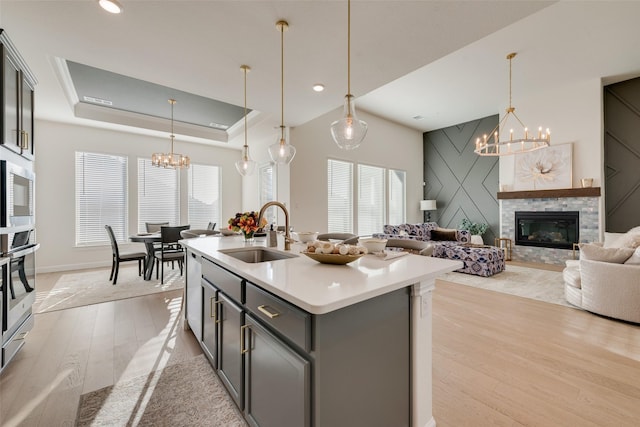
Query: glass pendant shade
point(245, 165)
point(281, 152)
point(349, 131)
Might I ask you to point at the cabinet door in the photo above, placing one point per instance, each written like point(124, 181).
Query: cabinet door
point(11, 119)
point(193, 290)
point(230, 366)
point(209, 324)
point(277, 381)
point(26, 119)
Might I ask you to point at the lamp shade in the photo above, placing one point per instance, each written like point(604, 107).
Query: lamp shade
point(428, 205)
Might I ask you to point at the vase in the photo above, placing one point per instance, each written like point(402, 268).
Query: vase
point(476, 239)
point(248, 236)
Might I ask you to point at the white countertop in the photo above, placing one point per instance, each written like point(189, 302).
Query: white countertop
point(322, 288)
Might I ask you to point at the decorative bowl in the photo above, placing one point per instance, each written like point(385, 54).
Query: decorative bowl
point(374, 245)
point(306, 236)
point(332, 258)
point(227, 232)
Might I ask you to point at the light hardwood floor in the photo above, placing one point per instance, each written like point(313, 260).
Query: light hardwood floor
point(499, 360)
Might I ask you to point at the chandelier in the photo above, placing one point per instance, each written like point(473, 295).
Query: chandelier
point(493, 145)
point(245, 165)
point(171, 159)
point(349, 131)
point(281, 152)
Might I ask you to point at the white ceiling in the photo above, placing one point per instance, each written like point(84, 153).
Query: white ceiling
point(444, 60)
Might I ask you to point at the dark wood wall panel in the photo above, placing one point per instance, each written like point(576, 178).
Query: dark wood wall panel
point(464, 184)
point(622, 155)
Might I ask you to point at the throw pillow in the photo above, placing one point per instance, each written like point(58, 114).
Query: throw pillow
point(598, 253)
point(442, 235)
point(635, 258)
point(630, 239)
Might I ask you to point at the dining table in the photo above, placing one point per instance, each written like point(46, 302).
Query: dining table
point(149, 240)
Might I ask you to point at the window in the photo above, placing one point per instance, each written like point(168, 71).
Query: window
point(101, 197)
point(340, 196)
point(397, 196)
point(204, 196)
point(158, 195)
point(381, 197)
point(267, 192)
point(371, 199)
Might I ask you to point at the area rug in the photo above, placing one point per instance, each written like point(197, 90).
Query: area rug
point(184, 394)
point(541, 285)
point(81, 288)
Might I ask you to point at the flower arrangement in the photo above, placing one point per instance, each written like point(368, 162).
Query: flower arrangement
point(473, 227)
point(246, 222)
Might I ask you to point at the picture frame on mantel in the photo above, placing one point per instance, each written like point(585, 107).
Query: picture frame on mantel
point(545, 169)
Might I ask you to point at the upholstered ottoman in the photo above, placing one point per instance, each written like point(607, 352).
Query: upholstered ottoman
point(478, 259)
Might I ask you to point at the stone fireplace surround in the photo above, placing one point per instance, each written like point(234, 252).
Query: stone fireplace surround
point(586, 203)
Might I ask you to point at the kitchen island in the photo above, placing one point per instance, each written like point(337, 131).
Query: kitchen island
point(299, 343)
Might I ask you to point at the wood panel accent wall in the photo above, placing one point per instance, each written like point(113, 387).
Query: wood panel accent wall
point(622, 155)
point(463, 184)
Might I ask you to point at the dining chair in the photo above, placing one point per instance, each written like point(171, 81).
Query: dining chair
point(117, 257)
point(154, 227)
point(347, 238)
point(170, 250)
point(211, 226)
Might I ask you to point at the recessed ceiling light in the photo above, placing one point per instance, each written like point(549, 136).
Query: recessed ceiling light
point(318, 87)
point(418, 117)
point(111, 6)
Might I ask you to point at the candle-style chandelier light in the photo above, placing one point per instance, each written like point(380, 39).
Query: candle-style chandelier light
point(501, 143)
point(170, 159)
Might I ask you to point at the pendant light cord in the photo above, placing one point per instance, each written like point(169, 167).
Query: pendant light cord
point(282, 81)
point(349, 48)
point(245, 68)
point(172, 136)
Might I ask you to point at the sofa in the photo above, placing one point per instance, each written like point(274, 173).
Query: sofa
point(425, 231)
point(606, 278)
point(455, 244)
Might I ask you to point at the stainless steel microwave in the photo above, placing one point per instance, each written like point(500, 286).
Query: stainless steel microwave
point(17, 197)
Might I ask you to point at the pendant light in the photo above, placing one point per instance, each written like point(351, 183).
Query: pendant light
point(245, 165)
point(349, 131)
point(171, 159)
point(281, 152)
point(497, 143)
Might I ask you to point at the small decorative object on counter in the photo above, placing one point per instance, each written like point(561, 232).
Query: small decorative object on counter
point(329, 253)
point(272, 238)
point(247, 223)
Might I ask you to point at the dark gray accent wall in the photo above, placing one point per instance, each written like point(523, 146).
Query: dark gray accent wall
point(464, 184)
point(622, 155)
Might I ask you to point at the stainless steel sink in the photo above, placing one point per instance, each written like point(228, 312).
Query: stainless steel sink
point(257, 254)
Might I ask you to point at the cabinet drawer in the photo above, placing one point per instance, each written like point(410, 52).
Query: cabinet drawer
point(285, 318)
point(224, 280)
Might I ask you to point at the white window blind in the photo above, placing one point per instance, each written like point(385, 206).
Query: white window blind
point(158, 195)
point(101, 197)
point(204, 196)
point(340, 196)
point(371, 199)
point(267, 192)
point(397, 196)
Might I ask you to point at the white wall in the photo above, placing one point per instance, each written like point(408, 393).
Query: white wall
point(55, 185)
point(387, 144)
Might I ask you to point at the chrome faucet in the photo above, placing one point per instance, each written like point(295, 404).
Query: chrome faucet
point(287, 236)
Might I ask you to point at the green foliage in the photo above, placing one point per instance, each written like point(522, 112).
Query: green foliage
point(474, 227)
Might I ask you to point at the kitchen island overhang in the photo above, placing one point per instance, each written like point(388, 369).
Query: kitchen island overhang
point(320, 289)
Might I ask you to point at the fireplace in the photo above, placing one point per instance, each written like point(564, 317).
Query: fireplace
point(549, 229)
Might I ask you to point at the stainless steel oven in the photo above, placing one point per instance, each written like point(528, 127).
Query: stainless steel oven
point(17, 197)
point(18, 293)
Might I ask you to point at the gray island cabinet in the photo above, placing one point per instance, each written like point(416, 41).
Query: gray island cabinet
point(297, 343)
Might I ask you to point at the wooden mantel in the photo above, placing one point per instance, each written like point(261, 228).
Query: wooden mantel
point(549, 194)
